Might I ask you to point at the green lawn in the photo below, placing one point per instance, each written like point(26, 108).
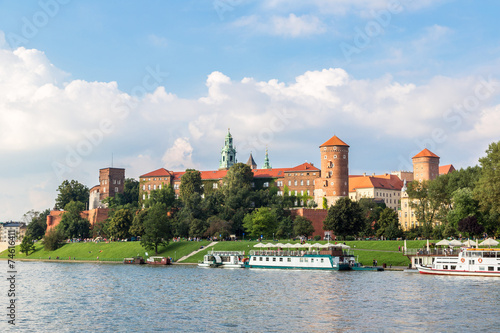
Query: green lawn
point(383, 251)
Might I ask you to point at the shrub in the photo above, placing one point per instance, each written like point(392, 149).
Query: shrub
point(53, 240)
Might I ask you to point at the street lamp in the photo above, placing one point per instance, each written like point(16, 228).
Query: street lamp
point(175, 255)
point(273, 236)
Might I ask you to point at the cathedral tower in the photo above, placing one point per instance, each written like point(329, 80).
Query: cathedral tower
point(228, 153)
point(334, 181)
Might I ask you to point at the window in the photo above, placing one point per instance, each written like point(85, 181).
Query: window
point(325, 157)
point(119, 181)
point(334, 156)
point(288, 259)
point(159, 186)
point(295, 193)
point(104, 190)
point(279, 183)
point(176, 186)
point(260, 258)
point(144, 187)
point(289, 183)
point(253, 184)
point(266, 184)
point(290, 193)
point(154, 187)
point(267, 258)
point(280, 193)
point(295, 183)
point(308, 182)
point(301, 183)
point(281, 259)
point(214, 185)
point(144, 197)
point(116, 189)
point(149, 187)
point(344, 157)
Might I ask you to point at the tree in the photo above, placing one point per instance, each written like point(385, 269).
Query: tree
point(218, 227)
point(487, 191)
point(72, 225)
point(190, 184)
point(470, 226)
point(137, 227)
point(302, 227)
point(197, 227)
point(53, 240)
point(345, 218)
point(37, 223)
point(120, 223)
point(285, 227)
point(72, 191)
point(463, 205)
point(262, 221)
point(157, 227)
point(27, 245)
point(164, 196)
point(389, 224)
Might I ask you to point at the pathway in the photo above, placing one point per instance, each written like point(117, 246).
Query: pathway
point(194, 252)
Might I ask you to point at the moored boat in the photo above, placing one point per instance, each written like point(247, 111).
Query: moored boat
point(158, 261)
point(134, 261)
point(469, 262)
point(335, 257)
point(223, 259)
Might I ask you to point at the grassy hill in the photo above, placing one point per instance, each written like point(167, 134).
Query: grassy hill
point(383, 251)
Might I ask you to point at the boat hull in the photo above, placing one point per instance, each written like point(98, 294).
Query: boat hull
point(433, 271)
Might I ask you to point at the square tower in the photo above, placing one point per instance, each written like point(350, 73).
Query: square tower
point(111, 182)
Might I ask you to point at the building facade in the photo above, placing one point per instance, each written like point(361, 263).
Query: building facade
point(382, 189)
point(111, 182)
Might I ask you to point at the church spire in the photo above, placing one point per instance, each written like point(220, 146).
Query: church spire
point(266, 162)
point(228, 153)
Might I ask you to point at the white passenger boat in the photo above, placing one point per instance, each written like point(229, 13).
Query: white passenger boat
point(223, 259)
point(333, 258)
point(470, 261)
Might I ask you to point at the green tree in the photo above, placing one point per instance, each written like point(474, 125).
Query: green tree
point(389, 224)
point(218, 227)
point(345, 218)
point(197, 228)
point(37, 223)
point(190, 184)
point(53, 240)
point(470, 226)
point(463, 205)
point(262, 221)
point(158, 227)
point(72, 191)
point(119, 225)
point(487, 191)
point(164, 196)
point(72, 225)
point(285, 227)
point(302, 227)
point(137, 227)
point(27, 245)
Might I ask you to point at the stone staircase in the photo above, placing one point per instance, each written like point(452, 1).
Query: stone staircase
point(194, 252)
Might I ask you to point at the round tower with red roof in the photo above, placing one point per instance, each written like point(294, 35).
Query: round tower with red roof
point(334, 181)
point(425, 165)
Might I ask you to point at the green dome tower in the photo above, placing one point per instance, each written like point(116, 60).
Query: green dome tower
point(228, 153)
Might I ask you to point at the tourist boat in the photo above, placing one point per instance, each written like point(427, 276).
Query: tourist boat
point(224, 259)
point(335, 257)
point(134, 261)
point(470, 261)
point(158, 261)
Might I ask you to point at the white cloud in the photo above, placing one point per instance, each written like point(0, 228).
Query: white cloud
point(289, 26)
point(45, 117)
point(179, 157)
point(157, 41)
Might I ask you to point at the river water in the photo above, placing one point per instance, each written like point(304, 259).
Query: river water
point(69, 297)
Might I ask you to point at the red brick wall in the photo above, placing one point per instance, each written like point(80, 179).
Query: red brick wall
point(94, 216)
point(316, 216)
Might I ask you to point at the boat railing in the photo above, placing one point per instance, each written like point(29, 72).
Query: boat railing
point(432, 252)
point(227, 253)
point(289, 253)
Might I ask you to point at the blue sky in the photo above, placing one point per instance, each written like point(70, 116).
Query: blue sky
point(157, 84)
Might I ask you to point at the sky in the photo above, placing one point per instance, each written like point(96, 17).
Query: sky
point(85, 85)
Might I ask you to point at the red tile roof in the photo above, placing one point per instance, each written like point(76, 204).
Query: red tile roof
point(157, 173)
point(446, 169)
point(334, 141)
point(303, 167)
point(425, 153)
point(387, 182)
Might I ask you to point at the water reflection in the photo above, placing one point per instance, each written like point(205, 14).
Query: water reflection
point(66, 297)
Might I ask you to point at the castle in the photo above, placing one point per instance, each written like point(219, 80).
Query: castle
point(306, 182)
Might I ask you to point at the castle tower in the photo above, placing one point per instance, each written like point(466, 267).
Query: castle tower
point(334, 181)
point(111, 181)
point(266, 162)
point(251, 162)
point(425, 165)
point(228, 153)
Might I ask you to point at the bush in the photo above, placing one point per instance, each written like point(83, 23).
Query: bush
point(53, 240)
point(317, 237)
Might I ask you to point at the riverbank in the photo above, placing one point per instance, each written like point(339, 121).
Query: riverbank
point(385, 252)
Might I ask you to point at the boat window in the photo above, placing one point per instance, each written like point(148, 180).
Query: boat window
point(281, 259)
point(321, 259)
point(267, 258)
point(274, 259)
point(260, 258)
point(254, 258)
point(301, 259)
point(481, 268)
point(453, 267)
point(491, 268)
point(445, 266)
point(289, 259)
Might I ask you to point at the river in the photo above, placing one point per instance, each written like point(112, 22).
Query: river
point(69, 297)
